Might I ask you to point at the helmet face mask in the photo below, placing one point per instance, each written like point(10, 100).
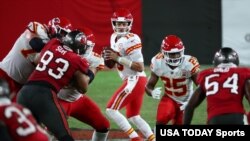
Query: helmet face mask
point(90, 45)
point(122, 21)
point(62, 33)
point(81, 43)
point(121, 28)
point(173, 50)
point(59, 27)
point(173, 58)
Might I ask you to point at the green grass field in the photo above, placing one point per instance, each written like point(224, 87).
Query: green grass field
point(106, 82)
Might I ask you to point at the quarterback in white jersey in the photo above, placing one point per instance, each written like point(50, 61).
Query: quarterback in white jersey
point(177, 72)
point(20, 61)
point(129, 47)
point(126, 52)
point(79, 105)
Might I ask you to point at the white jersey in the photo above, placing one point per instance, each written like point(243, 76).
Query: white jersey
point(70, 94)
point(178, 83)
point(19, 63)
point(128, 47)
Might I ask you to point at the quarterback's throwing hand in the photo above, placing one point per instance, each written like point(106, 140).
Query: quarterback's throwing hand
point(156, 93)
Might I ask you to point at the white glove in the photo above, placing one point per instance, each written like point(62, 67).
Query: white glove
point(183, 106)
point(156, 93)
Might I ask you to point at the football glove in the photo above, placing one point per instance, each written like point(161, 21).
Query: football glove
point(183, 106)
point(156, 93)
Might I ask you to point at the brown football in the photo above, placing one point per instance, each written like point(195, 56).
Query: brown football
point(109, 63)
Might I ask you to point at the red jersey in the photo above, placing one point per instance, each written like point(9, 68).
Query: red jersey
point(224, 88)
point(58, 64)
point(20, 123)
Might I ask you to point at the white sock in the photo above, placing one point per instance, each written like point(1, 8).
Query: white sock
point(122, 122)
point(98, 136)
point(143, 126)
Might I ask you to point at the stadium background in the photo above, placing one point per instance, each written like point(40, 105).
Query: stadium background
point(204, 25)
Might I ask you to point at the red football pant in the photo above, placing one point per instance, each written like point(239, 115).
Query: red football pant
point(168, 110)
point(87, 111)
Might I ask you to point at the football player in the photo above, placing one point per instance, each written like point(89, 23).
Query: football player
point(20, 61)
point(224, 87)
point(126, 51)
point(17, 122)
point(79, 105)
point(177, 71)
point(59, 64)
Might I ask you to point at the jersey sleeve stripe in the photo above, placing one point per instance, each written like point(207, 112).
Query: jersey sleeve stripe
point(195, 69)
point(117, 102)
point(133, 48)
point(33, 26)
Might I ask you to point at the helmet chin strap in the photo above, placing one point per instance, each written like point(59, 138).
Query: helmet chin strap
point(180, 60)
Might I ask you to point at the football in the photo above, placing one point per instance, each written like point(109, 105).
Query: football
point(109, 63)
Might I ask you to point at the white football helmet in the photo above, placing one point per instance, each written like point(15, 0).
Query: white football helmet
point(59, 27)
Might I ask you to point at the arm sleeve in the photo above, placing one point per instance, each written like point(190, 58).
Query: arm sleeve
point(37, 44)
point(155, 66)
point(91, 75)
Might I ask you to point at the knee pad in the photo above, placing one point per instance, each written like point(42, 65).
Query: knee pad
point(135, 119)
point(110, 112)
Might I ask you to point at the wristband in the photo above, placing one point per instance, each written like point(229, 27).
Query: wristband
point(124, 61)
point(91, 75)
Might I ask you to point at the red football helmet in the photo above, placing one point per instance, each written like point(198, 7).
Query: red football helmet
point(122, 21)
point(173, 50)
point(59, 27)
point(90, 40)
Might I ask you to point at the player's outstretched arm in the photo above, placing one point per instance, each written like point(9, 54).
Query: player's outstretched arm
point(155, 93)
point(81, 81)
point(195, 101)
point(194, 78)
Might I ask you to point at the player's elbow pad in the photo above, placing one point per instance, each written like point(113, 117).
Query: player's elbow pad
point(37, 44)
point(91, 75)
